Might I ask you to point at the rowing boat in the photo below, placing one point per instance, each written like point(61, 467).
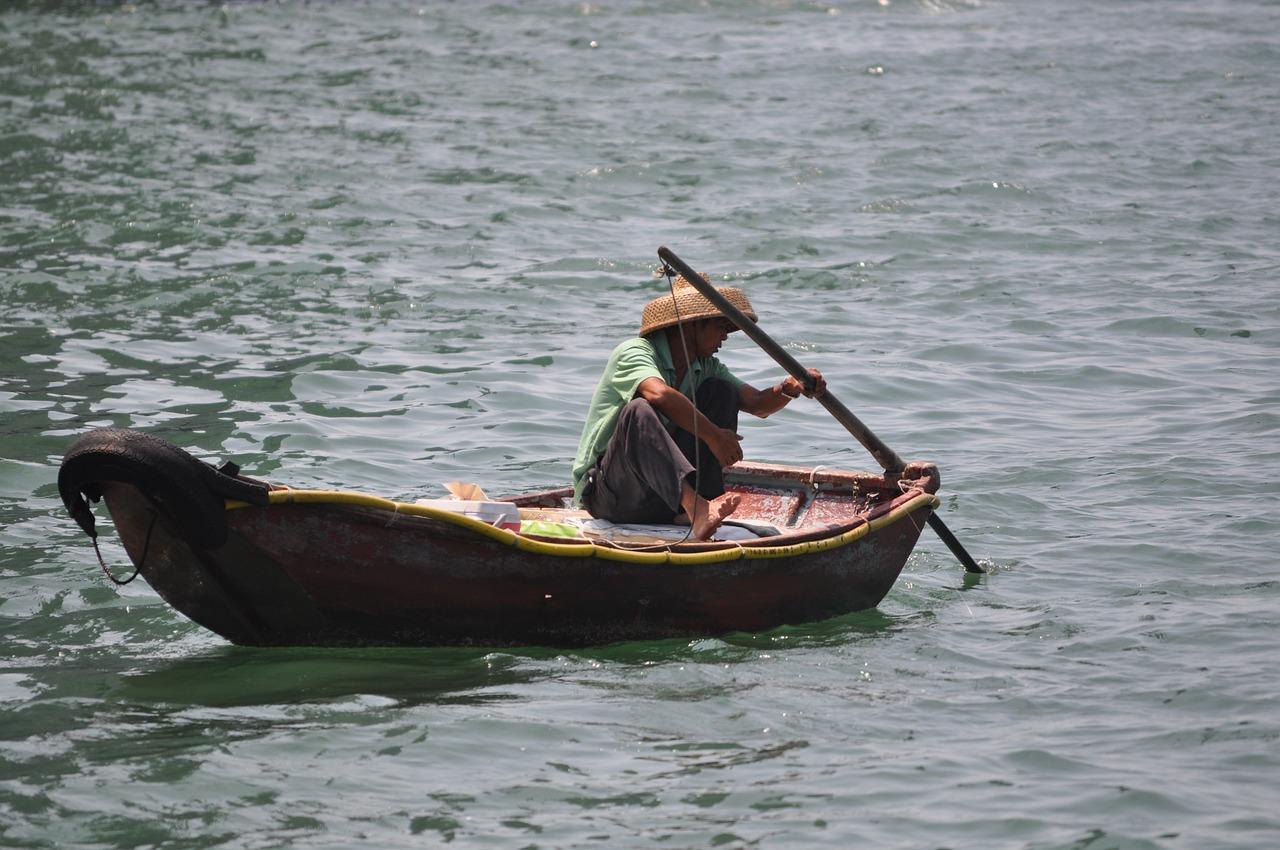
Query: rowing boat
point(265, 564)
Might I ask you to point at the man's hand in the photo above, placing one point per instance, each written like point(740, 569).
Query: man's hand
point(819, 384)
point(725, 445)
point(792, 388)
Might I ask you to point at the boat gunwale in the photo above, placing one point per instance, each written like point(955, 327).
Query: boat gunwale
point(788, 544)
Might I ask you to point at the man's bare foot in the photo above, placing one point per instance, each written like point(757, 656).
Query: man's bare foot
point(709, 515)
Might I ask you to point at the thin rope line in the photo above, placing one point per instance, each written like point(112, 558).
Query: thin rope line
point(906, 488)
point(693, 399)
point(146, 547)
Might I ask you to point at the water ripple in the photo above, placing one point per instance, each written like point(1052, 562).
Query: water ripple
point(383, 251)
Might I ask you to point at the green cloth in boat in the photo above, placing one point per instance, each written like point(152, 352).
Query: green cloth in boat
point(546, 528)
point(631, 363)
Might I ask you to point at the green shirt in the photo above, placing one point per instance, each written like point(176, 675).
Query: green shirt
point(630, 364)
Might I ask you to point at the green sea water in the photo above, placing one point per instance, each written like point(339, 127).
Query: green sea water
point(378, 246)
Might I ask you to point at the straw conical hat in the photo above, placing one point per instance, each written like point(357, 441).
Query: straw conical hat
point(688, 304)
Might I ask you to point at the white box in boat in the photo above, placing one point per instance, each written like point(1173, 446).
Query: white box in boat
point(502, 514)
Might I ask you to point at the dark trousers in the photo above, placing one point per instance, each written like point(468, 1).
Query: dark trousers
point(640, 476)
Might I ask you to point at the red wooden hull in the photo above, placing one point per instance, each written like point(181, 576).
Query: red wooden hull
point(339, 574)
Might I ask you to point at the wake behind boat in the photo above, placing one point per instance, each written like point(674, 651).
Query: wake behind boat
point(264, 564)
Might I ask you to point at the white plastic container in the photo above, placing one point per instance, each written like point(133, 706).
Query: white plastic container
point(502, 514)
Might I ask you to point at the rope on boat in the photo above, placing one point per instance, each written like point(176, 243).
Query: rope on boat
point(906, 487)
point(146, 547)
point(693, 399)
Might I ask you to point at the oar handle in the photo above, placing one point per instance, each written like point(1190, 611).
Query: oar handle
point(885, 456)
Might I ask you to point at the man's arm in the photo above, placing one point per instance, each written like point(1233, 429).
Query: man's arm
point(764, 402)
point(673, 404)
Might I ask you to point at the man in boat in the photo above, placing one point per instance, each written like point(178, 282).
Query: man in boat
point(638, 460)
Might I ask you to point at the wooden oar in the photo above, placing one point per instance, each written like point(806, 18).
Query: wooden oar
point(885, 456)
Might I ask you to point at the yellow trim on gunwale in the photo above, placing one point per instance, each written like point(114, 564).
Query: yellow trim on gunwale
point(587, 550)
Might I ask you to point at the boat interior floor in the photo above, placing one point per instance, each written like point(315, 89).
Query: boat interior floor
point(762, 512)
